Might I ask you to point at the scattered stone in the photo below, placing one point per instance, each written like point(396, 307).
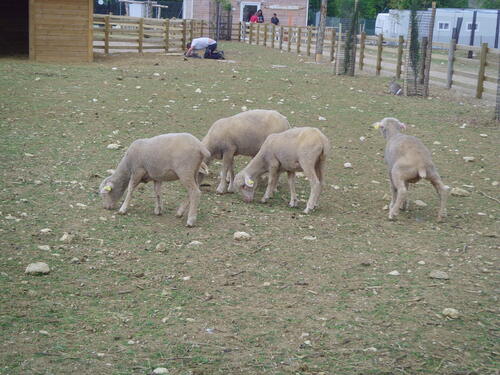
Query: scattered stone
point(110, 171)
point(160, 370)
point(494, 183)
point(394, 273)
point(37, 182)
point(113, 146)
point(310, 238)
point(451, 313)
point(366, 263)
point(45, 230)
point(241, 236)
point(43, 332)
point(483, 135)
point(162, 246)
point(81, 205)
point(38, 268)
point(321, 118)
point(100, 355)
point(44, 247)
point(27, 154)
point(131, 342)
point(347, 165)
point(198, 91)
point(421, 262)
point(420, 203)
point(441, 275)
point(362, 139)
point(194, 244)
point(469, 159)
point(67, 237)
point(459, 192)
point(186, 278)
point(10, 217)
point(436, 143)
point(75, 260)
point(244, 108)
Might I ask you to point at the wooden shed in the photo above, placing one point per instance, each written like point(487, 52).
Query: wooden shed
point(47, 30)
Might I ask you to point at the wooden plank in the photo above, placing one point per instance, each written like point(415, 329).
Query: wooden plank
point(379, 54)
point(141, 34)
point(400, 56)
point(451, 60)
point(482, 67)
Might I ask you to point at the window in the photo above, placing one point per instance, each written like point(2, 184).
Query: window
point(444, 26)
point(469, 26)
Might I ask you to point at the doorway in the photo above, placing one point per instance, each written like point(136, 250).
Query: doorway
point(247, 9)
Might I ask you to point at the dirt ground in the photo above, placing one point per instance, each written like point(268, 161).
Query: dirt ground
point(308, 294)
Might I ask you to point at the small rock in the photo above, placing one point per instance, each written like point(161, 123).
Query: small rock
point(241, 236)
point(321, 118)
point(75, 260)
point(459, 192)
point(420, 203)
point(436, 143)
point(469, 159)
point(451, 313)
point(160, 370)
point(362, 139)
point(10, 217)
point(421, 262)
point(44, 247)
point(110, 171)
point(483, 135)
point(67, 237)
point(494, 183)
point(113, 146)
point(394, 273)
point(307, 342)
point(81, 205)
point(386, 207)
point(198, 91)
point(38, 268)
point(37, 182)
point(100, 355)
point(194, 244)
point(347, 165)
point(131, 342)
point(310, 238)
point(441, 275)
point(27, 154)
point(162, 246)
point(186, 278)
point(244, 108)
point(43, 332)
point(45, 230)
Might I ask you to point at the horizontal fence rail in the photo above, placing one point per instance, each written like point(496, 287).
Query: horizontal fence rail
point(383, 56)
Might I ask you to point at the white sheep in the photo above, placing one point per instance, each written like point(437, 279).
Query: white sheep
point(167, 157)
point(408, 160)
point(241, 134)
point(298, 149)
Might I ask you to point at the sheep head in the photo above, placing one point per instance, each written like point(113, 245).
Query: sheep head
point(246, 185)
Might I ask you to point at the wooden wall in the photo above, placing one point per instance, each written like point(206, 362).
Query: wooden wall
point(14, 29)
point(61, 30)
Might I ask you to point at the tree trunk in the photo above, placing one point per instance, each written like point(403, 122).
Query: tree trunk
point(320, 37)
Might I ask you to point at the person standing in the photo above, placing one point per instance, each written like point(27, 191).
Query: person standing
point(260, 16)
point(254, 18)
point(208, 44)
point(275, 20)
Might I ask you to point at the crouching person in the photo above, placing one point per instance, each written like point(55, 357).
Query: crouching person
point(298, 149)
point(197, 44)
point(167, 157)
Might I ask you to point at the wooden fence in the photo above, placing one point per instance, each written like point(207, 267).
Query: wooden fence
point(375, 54)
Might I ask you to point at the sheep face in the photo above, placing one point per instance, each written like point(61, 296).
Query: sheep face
point(109, 194)
point(246, 186)
point(389, 126)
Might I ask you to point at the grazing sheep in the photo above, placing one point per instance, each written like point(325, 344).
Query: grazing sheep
point(241, 134)
point(408, 160)
point(167, 157)
point(395, 88)
point(298, 149)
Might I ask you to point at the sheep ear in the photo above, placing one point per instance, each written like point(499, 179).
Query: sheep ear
point(378, 125)
point(203, 169)
point(402, 126)
point(107, 188)
point(249, 182)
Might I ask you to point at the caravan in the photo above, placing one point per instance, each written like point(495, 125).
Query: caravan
point(396, 22)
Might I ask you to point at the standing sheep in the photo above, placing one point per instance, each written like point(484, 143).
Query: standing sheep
point(298, 149)
point(408, 160)
point(241, 134)
point(167, 157)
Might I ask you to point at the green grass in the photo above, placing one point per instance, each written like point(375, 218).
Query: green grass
point(224, 319)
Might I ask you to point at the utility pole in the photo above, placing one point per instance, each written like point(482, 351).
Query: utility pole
point(321, 31)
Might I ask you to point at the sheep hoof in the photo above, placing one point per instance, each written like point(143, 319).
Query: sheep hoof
point(264, 200)
point(190, 223)
point(293, 204)
point(392, 218)
point(122, 212)
point(157, 212)
point(220, 190)
point(308, 210)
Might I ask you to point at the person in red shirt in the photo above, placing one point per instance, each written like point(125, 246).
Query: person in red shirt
point(254, 18)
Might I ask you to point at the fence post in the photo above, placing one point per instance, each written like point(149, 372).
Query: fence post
point(379, 54)
point(399, 62)
point(251, 33)
point(201, 28)
point(362, 42)
point(451, 61)
point(106, 35)
point(141, 34)
point(191, 30)
point(265, 35)
point(289, 47)
point(258, 34)
point(299, 39)
point(239, 33)
point(482, 68)
point(184, 31)
point(167, 34)
point(281, 38)
point(309, 36)
point(273, 35)
point(332, 47)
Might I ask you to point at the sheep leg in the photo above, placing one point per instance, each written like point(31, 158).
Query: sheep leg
point(194, 194)
point(227, 160)
point(271, 183)
point(405, 206)
point(442, 191)
point(230, 177)
point(315, 189)
point(159, 203)
point(293, 194)
point(135, 179)
point(182, 208)
point(401, 194)
point(394, 192)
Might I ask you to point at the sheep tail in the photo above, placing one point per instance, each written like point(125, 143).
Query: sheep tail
point(422, 173)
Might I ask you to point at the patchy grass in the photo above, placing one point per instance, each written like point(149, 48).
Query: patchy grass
point(277, 304)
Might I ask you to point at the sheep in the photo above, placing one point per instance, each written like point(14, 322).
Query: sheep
point(167, 157)
point(408, 160)
point(298, 149)
point(241, 134)
point(395, 88)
